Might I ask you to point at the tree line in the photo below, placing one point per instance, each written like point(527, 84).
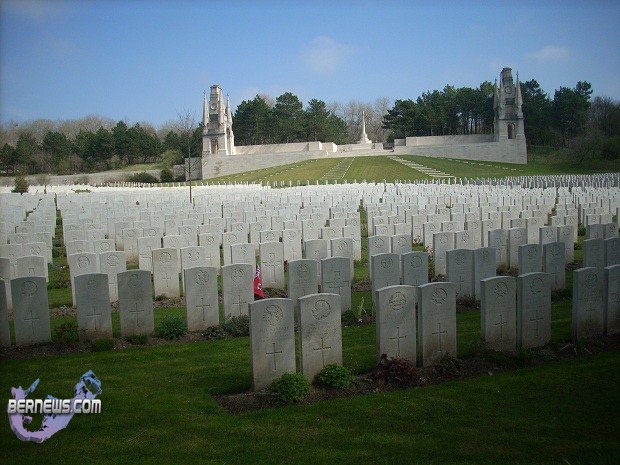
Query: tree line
point(97, 150)
point(559, 121)
point(569, 119)
point(264, 121)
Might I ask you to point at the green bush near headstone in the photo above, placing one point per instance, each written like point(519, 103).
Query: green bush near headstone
point(335, 376)
point(289, 388)
point(171, 327)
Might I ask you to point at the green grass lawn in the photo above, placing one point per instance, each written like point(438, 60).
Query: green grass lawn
point(158, 408)
point(542, 161)
point(159, 405)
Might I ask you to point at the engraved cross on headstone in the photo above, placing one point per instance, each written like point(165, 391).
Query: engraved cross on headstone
point(203, 307)
point(94, 316)
point(501, 326)
point(337, 283)
point(31, 320)
point(274, 353)
point(167, 279)
point(537, 319)
point(440, 333)
point(137, 312)
point(323, 348)
point(271, 264)
point(397, 339)
point(239, 302)
point(591, 309)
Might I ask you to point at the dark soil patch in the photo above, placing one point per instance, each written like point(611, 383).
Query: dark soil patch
point(361, 285)
point(484, 363)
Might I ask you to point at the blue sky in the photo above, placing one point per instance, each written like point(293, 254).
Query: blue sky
point(144, 60)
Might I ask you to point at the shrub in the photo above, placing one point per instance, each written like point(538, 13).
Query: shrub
point(237, 326)
point(166, 175)
point(448, 367)
point(214, 332)
point(335, 376)
point(142, 177)
point(67, 333)
point(396, 372)
point(524, 356)
point(137, 339)
point(21, 185)
point(289, 388)
point(349, 317)
point(102, 345)
point(171, 327)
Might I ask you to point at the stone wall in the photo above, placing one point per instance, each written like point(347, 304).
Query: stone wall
point(448, 140)
point(507, 151)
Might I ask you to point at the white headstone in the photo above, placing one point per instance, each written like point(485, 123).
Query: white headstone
point(94, 314)
point(135, 302)
point(272, 340)
point(498, 310)
point(533, 310)
point(30, 310)
point(396, 322)
point(437, 321)
point(320, 333)
point(201, 299)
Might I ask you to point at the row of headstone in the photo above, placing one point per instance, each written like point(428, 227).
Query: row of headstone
point(272, 336)
point(31, 309)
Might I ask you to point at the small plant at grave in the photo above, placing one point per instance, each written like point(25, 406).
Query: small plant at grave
point(547, 354)
point(171, 327)
point(137, 339)
point(67, 333)
point(397, 372)
point(581, 230)
point(335, 376)
point(349, 317)
point(578, 246)
point(584, 344)
point(237, 326)
point(561, 295)
point(214, 332)
point(524, 356)
point(160, 297)
point(289, 388)
point(448, 367)
point(466, 303)
point(102, 345)
point(503, 270)
point(480, 349)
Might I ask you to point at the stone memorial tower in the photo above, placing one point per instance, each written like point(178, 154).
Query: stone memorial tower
point(217, 134)
point(508, 121)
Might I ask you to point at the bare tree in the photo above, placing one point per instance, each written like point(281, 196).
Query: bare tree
point(381, 107)
point(268, 99)
point(186, 126)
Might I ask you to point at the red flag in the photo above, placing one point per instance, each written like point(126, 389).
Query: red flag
point(258, 284)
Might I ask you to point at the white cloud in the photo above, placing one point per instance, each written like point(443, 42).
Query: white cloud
point(551, 53)
point(324, 55)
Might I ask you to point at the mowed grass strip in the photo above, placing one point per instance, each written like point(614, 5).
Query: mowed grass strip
point(158, 407)
point(542, 161)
